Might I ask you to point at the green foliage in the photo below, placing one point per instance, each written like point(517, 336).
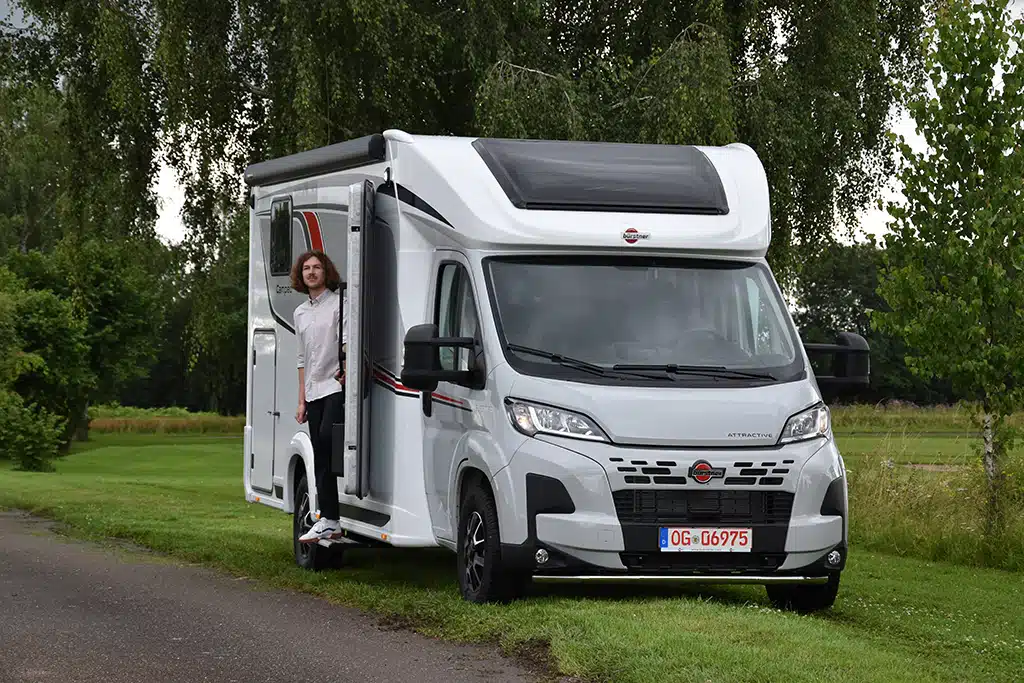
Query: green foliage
point(110, 286)
point(953, 275)
point(50, 330)
point(216, 336)
point(33, 162)
point(809, 86)
point(837, 291)
point(29, 435)
point(91, 314)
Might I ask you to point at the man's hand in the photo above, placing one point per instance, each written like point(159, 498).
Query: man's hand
point(300, 414)
point(340, 376)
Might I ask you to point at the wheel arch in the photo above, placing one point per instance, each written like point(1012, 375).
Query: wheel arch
point(300, 460)
point(467, 474)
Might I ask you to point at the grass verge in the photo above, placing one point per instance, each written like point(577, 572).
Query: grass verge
point(924, 497)
point(117, 419)
point(897, 619)
point(862, 418)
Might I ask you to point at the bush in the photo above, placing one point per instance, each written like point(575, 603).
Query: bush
point(30, 436)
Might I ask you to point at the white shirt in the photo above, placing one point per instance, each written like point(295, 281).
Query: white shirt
point(317, 330)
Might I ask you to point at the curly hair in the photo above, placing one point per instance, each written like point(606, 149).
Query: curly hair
point(331, 277)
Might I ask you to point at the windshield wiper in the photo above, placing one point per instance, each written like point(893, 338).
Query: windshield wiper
point(709, 370)
point(559, 359)
point(574, 362)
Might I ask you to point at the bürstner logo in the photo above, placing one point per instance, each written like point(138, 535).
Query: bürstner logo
point(632, 235)
point(702, 472)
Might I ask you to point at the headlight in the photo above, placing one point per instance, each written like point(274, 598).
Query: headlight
point(531, 419)
point(810, 424)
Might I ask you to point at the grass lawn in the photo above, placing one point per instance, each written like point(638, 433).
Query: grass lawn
point(950, 449)
point(896, 619)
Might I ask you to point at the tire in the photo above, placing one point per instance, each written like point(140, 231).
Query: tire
point(805, 598)
point(482, 576)
point(310, 556)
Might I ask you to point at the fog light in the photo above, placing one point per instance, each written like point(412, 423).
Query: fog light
point(542, 556)
point(834, 557)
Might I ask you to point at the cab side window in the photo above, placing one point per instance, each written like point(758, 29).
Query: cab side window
point(455, 313)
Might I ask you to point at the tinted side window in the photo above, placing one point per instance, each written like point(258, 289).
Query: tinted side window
point(280, 237)
point(455, 313)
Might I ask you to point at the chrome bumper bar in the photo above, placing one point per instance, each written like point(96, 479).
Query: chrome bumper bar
point(654, 578)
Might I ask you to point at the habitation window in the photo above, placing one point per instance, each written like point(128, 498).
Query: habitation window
point(455, 313)
point(281, 237)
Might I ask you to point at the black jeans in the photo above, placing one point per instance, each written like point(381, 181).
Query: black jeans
point(322, 414)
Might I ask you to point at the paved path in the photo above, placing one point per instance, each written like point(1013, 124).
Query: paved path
point(72, 611)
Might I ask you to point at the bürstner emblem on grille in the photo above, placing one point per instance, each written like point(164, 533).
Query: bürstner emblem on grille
point(702, 472)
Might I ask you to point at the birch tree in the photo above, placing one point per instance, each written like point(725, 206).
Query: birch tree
point(954, 273)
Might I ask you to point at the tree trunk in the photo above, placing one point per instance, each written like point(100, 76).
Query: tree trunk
point(990, 457)
point(82, 424)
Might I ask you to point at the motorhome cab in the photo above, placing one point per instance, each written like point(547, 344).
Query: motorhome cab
point(567, 361)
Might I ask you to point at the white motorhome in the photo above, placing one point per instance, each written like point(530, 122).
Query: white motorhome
point(567, 361)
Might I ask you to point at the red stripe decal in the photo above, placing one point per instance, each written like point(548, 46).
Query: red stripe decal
point(387, 379)
point(393, 383)
point(316, 238)
point(449, 400)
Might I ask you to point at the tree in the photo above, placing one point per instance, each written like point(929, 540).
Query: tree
point(810, 86)
point(33, 164)
point(30, 433)
point(953, 273)
point(837, 291)
point(111, 289)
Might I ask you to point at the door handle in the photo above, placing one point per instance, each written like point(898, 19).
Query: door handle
point(274, 413)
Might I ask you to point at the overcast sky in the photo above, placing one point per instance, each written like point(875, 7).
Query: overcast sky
point(169, 223)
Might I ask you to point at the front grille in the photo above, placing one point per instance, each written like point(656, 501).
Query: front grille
point(702, 563)
point(681, 506)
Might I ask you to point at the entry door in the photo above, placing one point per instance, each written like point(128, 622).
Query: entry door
point(264, 410)
point(450, 419)
point(358, 356)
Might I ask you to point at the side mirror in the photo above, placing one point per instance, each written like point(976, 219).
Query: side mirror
point(851, 362)
point(422, 368)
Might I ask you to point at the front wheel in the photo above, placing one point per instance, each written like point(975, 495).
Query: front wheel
point(805, 598)
point(482, 576)
point(309, 555)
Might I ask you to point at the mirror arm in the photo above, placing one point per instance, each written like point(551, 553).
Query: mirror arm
point(448, 342)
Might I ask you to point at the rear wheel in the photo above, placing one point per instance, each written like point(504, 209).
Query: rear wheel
point(309, 555)
point(805, 598)
point(482, 575)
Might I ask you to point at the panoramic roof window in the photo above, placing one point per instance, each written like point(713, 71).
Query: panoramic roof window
point(603, 176)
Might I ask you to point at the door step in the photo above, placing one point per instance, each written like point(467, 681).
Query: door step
point(328, 542)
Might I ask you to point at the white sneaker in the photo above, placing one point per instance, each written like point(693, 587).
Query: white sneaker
point(323, 529)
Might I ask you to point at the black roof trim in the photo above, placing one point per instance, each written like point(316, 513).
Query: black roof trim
point(368, 149)
point(563, 175)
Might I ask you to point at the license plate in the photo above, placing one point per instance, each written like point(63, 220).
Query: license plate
point(682, 540)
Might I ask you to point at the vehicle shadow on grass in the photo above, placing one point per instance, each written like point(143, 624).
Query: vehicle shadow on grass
point(435, 569)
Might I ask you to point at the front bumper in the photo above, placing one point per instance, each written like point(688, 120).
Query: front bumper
point(563, 499)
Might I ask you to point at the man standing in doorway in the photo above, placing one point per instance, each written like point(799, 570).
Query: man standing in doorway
point(319, 322)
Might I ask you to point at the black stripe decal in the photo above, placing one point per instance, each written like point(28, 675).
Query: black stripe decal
point(407, 196)
point(328, 207)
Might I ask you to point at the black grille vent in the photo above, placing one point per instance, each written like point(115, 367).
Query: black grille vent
point(682, 506)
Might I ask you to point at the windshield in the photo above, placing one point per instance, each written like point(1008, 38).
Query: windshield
point(664, 317)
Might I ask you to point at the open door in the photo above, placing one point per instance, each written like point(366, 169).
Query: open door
point(358, 356)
